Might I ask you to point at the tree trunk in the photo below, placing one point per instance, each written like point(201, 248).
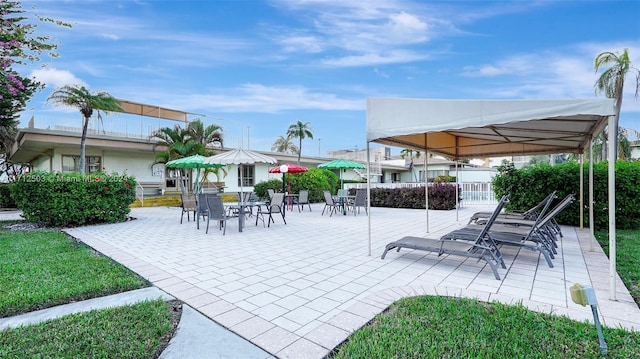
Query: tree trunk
point(619, 88)
point(83, 142)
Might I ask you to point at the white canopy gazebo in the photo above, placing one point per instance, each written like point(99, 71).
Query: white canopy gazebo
point(459, 129)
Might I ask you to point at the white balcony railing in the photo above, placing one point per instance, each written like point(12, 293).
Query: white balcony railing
point(472, 192)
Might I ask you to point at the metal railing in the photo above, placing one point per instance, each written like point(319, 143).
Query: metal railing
point(478, 193)
point(472, 192)
point(140, 193)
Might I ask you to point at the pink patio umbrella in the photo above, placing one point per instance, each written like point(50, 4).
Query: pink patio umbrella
point(287, 168)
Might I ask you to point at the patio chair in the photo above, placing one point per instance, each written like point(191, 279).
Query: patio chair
point(247, 210)
point(547, 228)
point(303, 198)
point(189, 204)
point(533, 235)
point(276, 206)
point(270, 192)
point(330, 203)
point(216, 212)
point(202, 208)
point(247, 196)
point(482, 248)
point(532, 213)
point(360, 201)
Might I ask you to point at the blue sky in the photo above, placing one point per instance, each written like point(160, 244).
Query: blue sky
point(256, 67)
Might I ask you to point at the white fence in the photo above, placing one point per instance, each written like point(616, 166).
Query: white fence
point(472, 192)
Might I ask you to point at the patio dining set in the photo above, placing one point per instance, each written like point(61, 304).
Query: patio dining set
point(344, 202)
point(212, 207)
point(248, 206)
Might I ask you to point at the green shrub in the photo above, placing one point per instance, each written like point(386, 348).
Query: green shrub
point(6, 200)
point(445, 179)
point(530, 185)
point(261, 188)
point(442, 196)
point(71, 199)
point(315, 181)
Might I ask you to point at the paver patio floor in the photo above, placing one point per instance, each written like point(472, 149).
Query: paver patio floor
point(298, 290)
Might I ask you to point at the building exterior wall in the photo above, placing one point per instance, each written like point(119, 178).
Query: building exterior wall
point(635, 149)
point(41, 163)
point(136, 164)
point(475, 174)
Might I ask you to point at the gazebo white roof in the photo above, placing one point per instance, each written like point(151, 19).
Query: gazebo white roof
point(487, 128)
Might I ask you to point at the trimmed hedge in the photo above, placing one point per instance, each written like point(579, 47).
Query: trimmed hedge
point(6, 200)
point(530, 185)
point(71, 199)
point(442, 196)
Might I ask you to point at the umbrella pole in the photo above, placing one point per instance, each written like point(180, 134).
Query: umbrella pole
point(284, 181)
point(289, 192)
point(197, 181)
point(241, 196)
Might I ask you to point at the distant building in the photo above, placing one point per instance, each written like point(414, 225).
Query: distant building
point(635, 149)
point(54, 147)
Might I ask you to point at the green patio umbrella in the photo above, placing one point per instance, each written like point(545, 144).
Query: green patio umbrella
point(191, 162)
point(342, 164)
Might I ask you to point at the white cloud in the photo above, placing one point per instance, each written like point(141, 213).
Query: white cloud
point(407, 26)
point(362, 32)
point(368, 59)
point(111, 36)
point(560, 73)
point(267, 99)
point(514, 65)
point(380, 73)
point(56, 78)
point(308, 44)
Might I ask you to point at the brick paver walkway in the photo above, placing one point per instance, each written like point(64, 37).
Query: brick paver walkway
point(300, 289)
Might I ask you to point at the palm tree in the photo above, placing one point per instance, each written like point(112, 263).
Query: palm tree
point(205, 136)
point(285, 145)
point(192, 140)
point(611, 81)
point(87, 102)
point(176, 140)
point(624, 146)
point(406, 152)
point(300, 131)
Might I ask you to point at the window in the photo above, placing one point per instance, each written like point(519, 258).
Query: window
point(92, 164)
point(248, 175)
point(435, 173)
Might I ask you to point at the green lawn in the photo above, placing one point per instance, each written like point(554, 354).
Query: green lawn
point(44, 268)
point(438, 327)
point(627, 257)
point(136, 331)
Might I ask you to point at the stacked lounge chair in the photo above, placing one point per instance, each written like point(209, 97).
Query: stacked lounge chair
point(537, 235)
point(481, 248)
point(530, 214)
